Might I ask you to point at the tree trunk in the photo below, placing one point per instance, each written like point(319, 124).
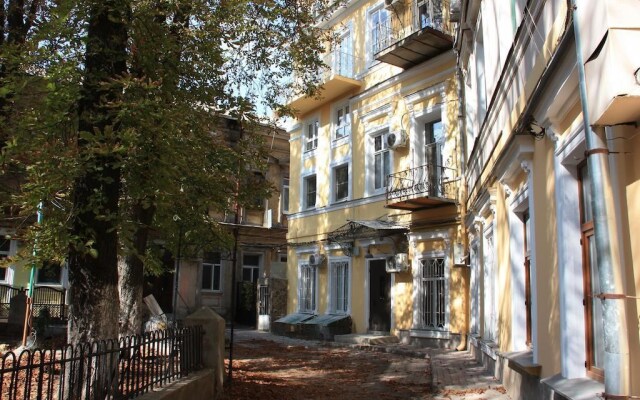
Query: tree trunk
point(93, 259)
point(131, 273)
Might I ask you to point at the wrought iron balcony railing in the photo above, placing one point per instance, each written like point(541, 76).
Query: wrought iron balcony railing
point(419, 15)
point(428, 180)
point(340, 63)
point(418, 27)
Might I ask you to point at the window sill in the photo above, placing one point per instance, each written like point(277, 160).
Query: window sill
point(340, 142)
point(211, 292)
point(309, 154)
point(574, 389)
point(522, 362)
point(430, 334)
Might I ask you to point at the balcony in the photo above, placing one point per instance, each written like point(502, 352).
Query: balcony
point(412, 35)
point(427, 186)
point(337, 79)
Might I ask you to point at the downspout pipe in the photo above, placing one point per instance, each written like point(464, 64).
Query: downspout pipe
point(616, 346)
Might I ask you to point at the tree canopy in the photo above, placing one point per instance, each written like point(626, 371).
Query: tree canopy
point(107, 115)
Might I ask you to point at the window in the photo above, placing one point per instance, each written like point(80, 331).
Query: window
point(380, 28)
point(310, 191)
point(343, 56)
point(250, 268)
point(5, 247)
point(212, 272)
point(593, 305)
point(433, 141)
point(527, 276)
point(307, 288)
point(432, 293)
point(381, 161)
point(341, 182)
point(343, 122)
point(49, 274)
point(285, 195)
point(311, 136)
point(429, 14)
point(340, 286)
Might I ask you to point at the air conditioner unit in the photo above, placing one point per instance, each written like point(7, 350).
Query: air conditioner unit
point(398, 263)
point(397, 139)
point(316, 259)
point(391, 4)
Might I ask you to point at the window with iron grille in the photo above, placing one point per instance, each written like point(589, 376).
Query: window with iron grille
point(212, 272)
point(433, 304)
point(307, 288)
point(340, 286)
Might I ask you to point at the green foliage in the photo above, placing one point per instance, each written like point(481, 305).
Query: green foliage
point(189, 61)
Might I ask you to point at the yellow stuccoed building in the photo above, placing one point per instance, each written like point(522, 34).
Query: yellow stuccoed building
point(375, 241)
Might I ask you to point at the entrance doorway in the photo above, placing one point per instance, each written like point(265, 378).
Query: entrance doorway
point(379, 297)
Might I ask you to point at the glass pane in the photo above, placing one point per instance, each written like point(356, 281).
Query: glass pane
point(5, 245)
point(587, 212)
point(246, 274)
point(50, 273)
point(3, 273)
point(387, 167)
point(377, 168)
point(216, 277)
point(206, 276)
point(251, 259)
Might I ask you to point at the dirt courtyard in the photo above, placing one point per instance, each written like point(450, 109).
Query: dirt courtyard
point(289, 369)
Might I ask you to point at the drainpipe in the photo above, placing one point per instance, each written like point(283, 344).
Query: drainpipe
point(616, 358)
point(28, 316)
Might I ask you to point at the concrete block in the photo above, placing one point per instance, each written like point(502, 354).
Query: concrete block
point(213, 326)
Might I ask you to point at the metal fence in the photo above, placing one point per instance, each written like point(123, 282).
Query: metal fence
point(46, 298)
point(110, 369)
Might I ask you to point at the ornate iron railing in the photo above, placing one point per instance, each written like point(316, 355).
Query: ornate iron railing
point(426, 180)
point(416, 16)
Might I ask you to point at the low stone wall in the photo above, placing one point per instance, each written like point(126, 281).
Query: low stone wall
point(196, 386)
point(208, 383)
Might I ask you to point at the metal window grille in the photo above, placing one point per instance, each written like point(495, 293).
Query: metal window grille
point(307, 288)
point(433, 304)
point(340, 286)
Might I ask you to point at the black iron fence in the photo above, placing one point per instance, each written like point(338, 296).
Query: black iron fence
point(109, 369)
point(6, 294)
point(46, 298)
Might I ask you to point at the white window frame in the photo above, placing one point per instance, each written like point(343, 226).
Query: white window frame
point(304, 183)
point(490, 285)
point(8, 274)
point(339, 52)
point(370, 161)
point(58, 284)
point(314, 287)
point(311, 142)
point(378, 7)
point(345, 126)
point(345, 307)
point(334, 182)
point(213, 266)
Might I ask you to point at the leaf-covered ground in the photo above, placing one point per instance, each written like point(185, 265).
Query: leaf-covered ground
point(268, 370)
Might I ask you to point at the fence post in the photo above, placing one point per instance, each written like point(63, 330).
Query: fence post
point(213, 326)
